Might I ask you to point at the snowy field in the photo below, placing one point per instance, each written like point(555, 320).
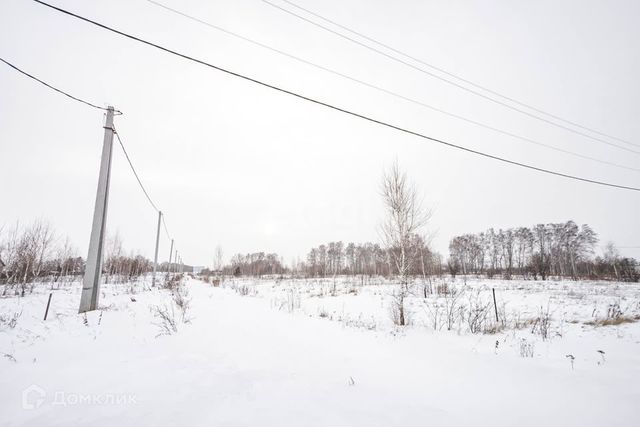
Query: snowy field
point(324, 353)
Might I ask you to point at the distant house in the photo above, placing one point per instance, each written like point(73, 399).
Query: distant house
point(197, 269)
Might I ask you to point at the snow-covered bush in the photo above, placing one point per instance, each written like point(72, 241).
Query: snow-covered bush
point(166, 319)
point(542, 324)
point(477, 314)
point(9, 321)
point(526, 348)
point(170, 315)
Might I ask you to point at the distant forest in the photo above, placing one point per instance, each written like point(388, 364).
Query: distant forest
point(559, 250)
point(562, 250)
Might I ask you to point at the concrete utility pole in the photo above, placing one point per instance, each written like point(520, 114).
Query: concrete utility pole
point(170, 255)
point(155, 260)
point(93, 270)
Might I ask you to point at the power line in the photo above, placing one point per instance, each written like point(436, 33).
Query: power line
point(135, 173)
point(422, 70)
point(54, 88)
point(114, 131)
point(333, 107)
point(406, 55)
point(166, 230)
point(387, 91)
point(133, 169)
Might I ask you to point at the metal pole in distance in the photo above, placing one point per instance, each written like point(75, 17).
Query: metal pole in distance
point(155, 259)
point(170, 255)
point(174, 268)
point(93, 269)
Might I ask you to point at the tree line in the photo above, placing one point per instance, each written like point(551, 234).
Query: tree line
point(253, 264)
point(370, 259)
point(35, 252)
point(555, 249)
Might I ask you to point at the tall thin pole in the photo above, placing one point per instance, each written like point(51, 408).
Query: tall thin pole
point(93, 269)
point(174, 267)
point(155, 260)
point(170, 255)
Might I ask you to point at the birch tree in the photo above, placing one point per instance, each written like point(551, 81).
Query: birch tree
point(405, 216)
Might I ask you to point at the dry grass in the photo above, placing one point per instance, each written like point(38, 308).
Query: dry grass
point(613, 322)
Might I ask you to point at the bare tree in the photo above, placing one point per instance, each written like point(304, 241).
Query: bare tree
point(611, 257)
point(218, 258)
point(405, 216)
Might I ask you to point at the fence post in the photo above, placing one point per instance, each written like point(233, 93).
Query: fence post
point(46, 312)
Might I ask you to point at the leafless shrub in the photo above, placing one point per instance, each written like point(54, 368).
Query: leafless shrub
point(614, 311)
point(9, 320)
point(172, 281)
point(182, 302)
point(442, 289)
point(477, 314)
point(453, 309)
point(169, 316)
point(166, 319)
point(434, 313)
point(542, 324)
point(526, 348)
point(293, 300)
point(359, 322)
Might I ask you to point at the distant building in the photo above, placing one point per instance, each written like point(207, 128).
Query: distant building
point(197, 269)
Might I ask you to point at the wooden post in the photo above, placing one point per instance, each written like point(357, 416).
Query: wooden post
point(46, 312)
point(495, 306)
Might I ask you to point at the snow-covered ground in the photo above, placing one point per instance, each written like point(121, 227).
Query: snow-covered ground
point(313, 353)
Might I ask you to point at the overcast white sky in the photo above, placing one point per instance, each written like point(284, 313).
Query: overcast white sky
point(238, 165)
